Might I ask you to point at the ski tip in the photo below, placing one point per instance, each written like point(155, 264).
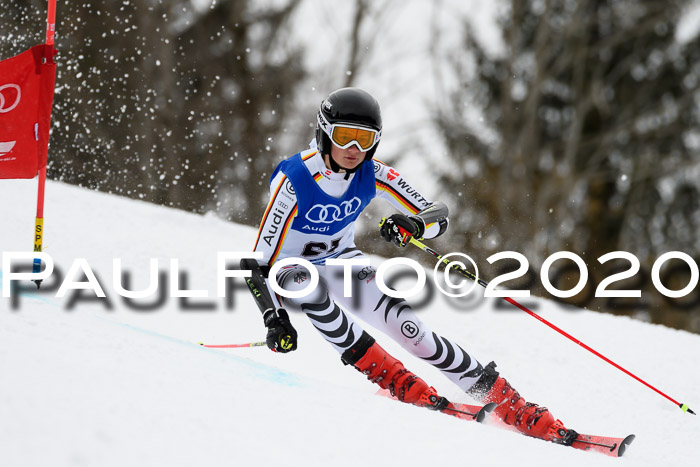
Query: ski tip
point(685, 408)
point(485, 411)
point(490, 407)
point(200, 343)
point(623, 445)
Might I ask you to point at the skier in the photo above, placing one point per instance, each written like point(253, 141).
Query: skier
point(316, 197)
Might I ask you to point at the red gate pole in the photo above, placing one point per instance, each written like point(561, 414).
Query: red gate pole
point(39, 223)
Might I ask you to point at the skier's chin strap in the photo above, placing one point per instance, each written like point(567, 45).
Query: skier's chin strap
point(335, 167)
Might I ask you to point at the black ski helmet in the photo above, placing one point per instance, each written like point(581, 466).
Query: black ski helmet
point(348, 105)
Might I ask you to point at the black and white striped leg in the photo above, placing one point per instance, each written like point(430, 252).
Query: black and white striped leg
point(333, 323)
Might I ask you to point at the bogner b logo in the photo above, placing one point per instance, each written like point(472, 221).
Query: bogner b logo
point(409, 329)
point(329, 213)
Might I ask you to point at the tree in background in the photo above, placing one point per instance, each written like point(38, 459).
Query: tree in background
point(590, 141)
point(166, 102)
point(581, 135)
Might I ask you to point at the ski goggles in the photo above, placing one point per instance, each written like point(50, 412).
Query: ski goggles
point(345, 135)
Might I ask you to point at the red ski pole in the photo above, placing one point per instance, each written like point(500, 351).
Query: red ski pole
point(469, 275)
point(232, 346)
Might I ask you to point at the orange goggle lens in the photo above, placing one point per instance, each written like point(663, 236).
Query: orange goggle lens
point(343, 135)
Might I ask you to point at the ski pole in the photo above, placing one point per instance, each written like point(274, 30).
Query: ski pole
point(232, 346)
point(469, 275)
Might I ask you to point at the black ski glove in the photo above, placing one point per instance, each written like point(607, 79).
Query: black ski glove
point(399, 229)
point(281, 335)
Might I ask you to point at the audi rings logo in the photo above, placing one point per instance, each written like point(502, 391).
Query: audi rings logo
point(326, 214)
point(9, 99)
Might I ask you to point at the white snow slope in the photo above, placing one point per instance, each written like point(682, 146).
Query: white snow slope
point(84, 385)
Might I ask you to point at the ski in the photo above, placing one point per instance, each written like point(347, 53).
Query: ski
point(609, 446)
point(469, 412)
point(462, 411)
point(614, 447)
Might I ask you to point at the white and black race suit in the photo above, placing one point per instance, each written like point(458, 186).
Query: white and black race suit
point(311, 215)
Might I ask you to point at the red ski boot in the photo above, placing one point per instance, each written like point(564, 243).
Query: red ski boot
point(387, 372)
point(526, 417)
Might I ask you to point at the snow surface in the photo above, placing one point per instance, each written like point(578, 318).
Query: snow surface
point(91, 386)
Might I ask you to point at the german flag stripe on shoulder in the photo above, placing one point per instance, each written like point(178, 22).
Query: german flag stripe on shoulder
point(309, 156)
point(397, 196)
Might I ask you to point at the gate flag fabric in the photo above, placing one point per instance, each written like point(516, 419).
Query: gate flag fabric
point(26, 96)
